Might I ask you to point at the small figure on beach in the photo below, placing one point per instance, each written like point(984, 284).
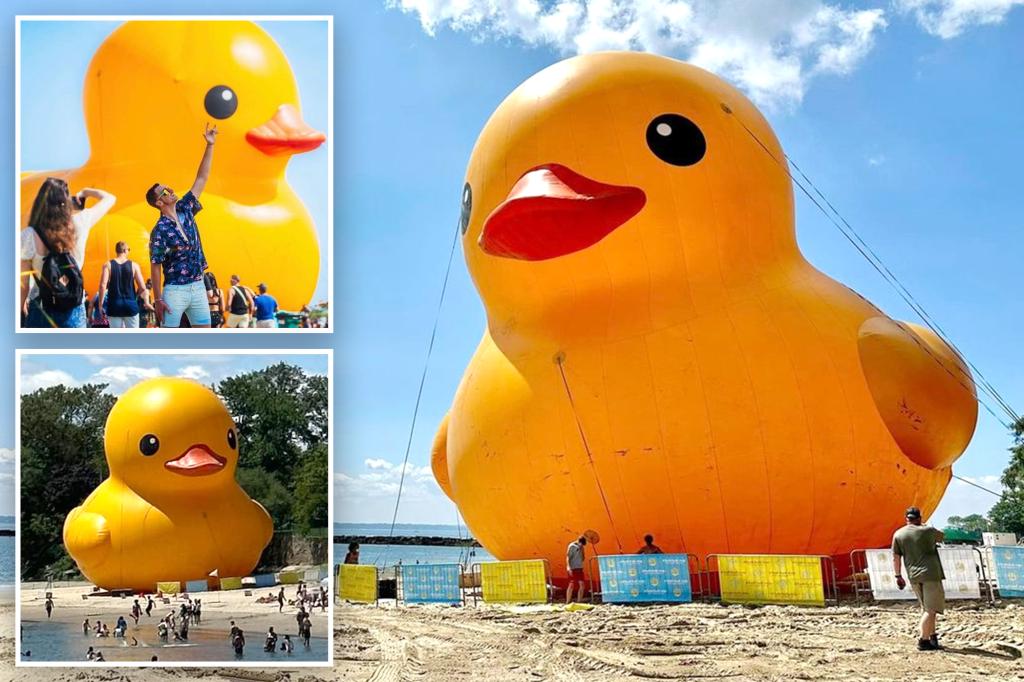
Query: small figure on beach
point(49, 607)
point(162, 629)
point(353, 553)
point(649, 546)
point(99, 657)
point(574, 558)
point(136, 611)
point(280, 600)
point(915, 545)
point(305, 631)
point(121, 627)
point(149, 606)
point(271, 642)
point(90, 654)
point(286, 645)
point(197, 609)
point(299, 617)
point(86, 627)
point(154, 659)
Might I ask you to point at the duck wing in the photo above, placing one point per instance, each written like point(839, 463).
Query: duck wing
point(922, 388)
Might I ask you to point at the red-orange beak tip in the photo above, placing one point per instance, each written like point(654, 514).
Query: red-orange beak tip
point(285, 134)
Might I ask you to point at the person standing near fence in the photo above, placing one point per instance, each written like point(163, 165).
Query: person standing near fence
point(649, 546)
point(916, 545)
point(575, 555)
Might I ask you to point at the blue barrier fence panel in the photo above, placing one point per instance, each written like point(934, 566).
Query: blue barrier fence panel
point(196, 586)
point(645, 578)
point(431, 583)
point(265, 580)
point(1009, 564)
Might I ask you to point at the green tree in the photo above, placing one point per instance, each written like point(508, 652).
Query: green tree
point(62, 461)
point(281, 412)
point(311, 489)
point(1008, 513)
point(970, 523)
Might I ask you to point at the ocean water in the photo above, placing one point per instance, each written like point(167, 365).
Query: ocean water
point(53, 641)
point(389, 555)
point(6, 556)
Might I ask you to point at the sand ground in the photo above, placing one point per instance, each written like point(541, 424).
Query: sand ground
point(692, 641)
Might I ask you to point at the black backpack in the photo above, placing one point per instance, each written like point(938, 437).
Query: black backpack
point(60, 281)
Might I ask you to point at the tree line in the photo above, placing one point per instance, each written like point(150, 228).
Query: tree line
point(281, 415)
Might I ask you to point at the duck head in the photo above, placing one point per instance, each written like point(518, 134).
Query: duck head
point(171, 437)
point(618, 192)
point(152, 85)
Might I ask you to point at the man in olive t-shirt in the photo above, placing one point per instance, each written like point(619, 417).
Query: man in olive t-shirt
point(915, 544)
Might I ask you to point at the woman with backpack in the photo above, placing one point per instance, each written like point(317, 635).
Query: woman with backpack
point(52, 251)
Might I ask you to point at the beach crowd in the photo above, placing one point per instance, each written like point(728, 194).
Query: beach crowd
point(181, 291)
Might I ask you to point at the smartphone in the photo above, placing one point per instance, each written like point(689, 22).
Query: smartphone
point(78, 202)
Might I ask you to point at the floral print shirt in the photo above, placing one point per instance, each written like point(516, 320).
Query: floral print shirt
point(180, 252)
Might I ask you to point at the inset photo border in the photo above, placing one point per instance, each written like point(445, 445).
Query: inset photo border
point(154, 484)
point(184, 163)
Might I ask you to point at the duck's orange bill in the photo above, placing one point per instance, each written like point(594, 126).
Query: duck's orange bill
point(198, 460)
point(285, 133)
point(553, 211)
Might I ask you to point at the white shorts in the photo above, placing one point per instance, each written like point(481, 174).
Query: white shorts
point(266, 324)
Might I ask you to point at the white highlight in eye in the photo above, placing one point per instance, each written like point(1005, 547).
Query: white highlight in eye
point(664, 129)
point(465, 195)
point(227, 95)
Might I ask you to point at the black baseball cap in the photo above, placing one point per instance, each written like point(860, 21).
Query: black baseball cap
point(913, 513)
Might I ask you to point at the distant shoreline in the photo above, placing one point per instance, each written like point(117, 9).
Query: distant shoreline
point(422, 540)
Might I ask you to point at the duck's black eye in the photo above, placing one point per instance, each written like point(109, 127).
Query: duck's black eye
point(676, 140)
point(232, 439)
point(467, 208)
point(149, 445)
point(221, 101)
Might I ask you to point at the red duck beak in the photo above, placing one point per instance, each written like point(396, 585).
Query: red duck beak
point(198, 460)
point(285, 133)
point(553, 211)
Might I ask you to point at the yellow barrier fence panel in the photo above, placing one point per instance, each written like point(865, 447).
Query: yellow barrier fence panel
point(357, 583)
point(289, 577)
point(168, 587)
point(515, 582)
point(770, 579)
point(230, 583)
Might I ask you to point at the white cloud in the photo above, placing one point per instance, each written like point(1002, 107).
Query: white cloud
point(963, 499)
point(119, 378)
point(194, 372)
point(950, 18)
point(770, 48)
point(46, 378)
point(367, 495)
point(6, 456)
point(876, 160)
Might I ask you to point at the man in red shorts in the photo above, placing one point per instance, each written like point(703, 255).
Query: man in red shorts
point(574, 558)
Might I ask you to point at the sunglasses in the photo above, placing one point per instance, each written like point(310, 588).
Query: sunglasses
point(166, 192)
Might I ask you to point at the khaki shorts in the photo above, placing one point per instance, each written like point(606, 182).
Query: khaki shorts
point(235, 321)
point(930, 596)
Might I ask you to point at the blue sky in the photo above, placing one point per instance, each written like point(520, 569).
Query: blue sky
point(53, 126)
point(908, 119)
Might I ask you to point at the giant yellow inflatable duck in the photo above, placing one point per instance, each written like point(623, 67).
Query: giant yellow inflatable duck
point(659, 357)
point(171, 509)
point(149, 90)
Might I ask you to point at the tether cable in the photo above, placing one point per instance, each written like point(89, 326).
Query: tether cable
point(560, 360)
point(861, 246)
point(419, 392)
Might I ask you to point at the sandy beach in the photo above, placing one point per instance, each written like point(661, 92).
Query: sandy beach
point(692, 641)
point(219, 608)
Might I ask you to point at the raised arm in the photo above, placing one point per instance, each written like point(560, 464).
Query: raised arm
point(210, 135)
